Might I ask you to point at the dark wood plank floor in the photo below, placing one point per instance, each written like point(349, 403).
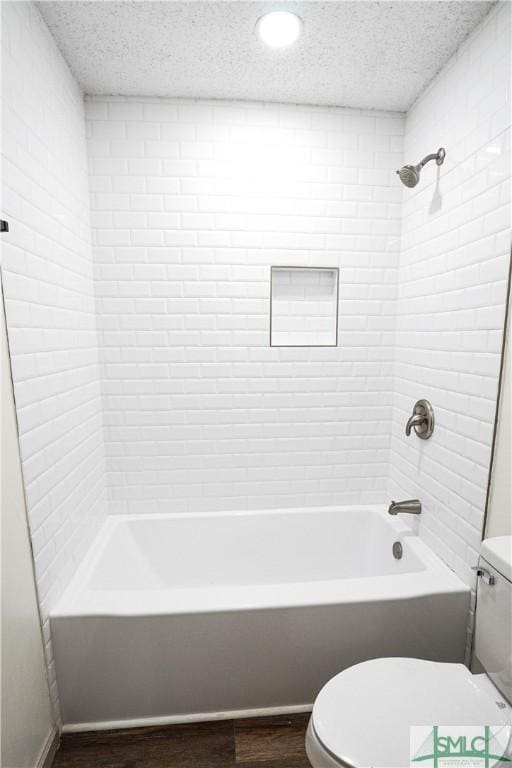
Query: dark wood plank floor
point(268, 742)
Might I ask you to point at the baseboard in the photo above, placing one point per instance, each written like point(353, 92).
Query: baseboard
point(146, 722)
point(49, 749)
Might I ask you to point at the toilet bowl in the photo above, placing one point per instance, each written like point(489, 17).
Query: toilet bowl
point(362, 718)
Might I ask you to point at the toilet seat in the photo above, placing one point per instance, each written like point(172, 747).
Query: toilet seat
point(362, 717)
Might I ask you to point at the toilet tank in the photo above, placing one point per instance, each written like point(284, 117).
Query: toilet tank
point(493, 629)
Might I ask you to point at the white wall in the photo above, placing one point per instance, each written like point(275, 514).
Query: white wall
point(452, 291)
point(499, 512)
point(27, 718)
point(48, 285)
point(191, 205)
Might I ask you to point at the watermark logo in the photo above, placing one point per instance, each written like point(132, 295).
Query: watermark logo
point(459, 746)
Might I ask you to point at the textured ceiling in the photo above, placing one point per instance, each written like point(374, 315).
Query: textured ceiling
point(358, 54)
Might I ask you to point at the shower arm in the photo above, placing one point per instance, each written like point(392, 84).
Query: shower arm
point(437, 156)
point(427, 159)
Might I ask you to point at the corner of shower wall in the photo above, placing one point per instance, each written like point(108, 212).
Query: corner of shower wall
point(49, 300)
point(452, 291)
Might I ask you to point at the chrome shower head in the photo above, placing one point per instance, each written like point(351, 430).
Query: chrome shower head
point(410, 174)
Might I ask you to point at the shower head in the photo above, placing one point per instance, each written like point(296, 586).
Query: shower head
point(410, 174)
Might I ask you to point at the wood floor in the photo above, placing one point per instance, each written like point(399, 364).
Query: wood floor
point(269, 742)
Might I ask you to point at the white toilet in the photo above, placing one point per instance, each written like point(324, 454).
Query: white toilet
point(362, 717)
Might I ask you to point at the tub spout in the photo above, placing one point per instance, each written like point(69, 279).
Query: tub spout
point(412, 506)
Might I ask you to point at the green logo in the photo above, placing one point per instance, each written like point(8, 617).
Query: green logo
point(461, 746)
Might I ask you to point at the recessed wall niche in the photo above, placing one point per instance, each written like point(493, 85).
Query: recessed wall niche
point(304, 306)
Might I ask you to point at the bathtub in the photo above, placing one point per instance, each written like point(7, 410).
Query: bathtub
point(184, 617)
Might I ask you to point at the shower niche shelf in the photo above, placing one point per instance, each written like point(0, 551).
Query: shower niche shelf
point(304, 306)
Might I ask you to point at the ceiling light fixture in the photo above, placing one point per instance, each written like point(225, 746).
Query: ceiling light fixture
point(279, 28)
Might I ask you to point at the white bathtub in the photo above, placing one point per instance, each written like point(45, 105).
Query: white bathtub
point(198, 616)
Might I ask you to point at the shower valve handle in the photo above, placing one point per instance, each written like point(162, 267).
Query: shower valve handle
point(422, 420)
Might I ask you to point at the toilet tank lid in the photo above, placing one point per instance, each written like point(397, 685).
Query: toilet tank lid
point(498, 553)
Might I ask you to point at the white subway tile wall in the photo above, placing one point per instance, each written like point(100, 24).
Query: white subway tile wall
point(452, 291)
point(192, 202)
point(48, 285)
